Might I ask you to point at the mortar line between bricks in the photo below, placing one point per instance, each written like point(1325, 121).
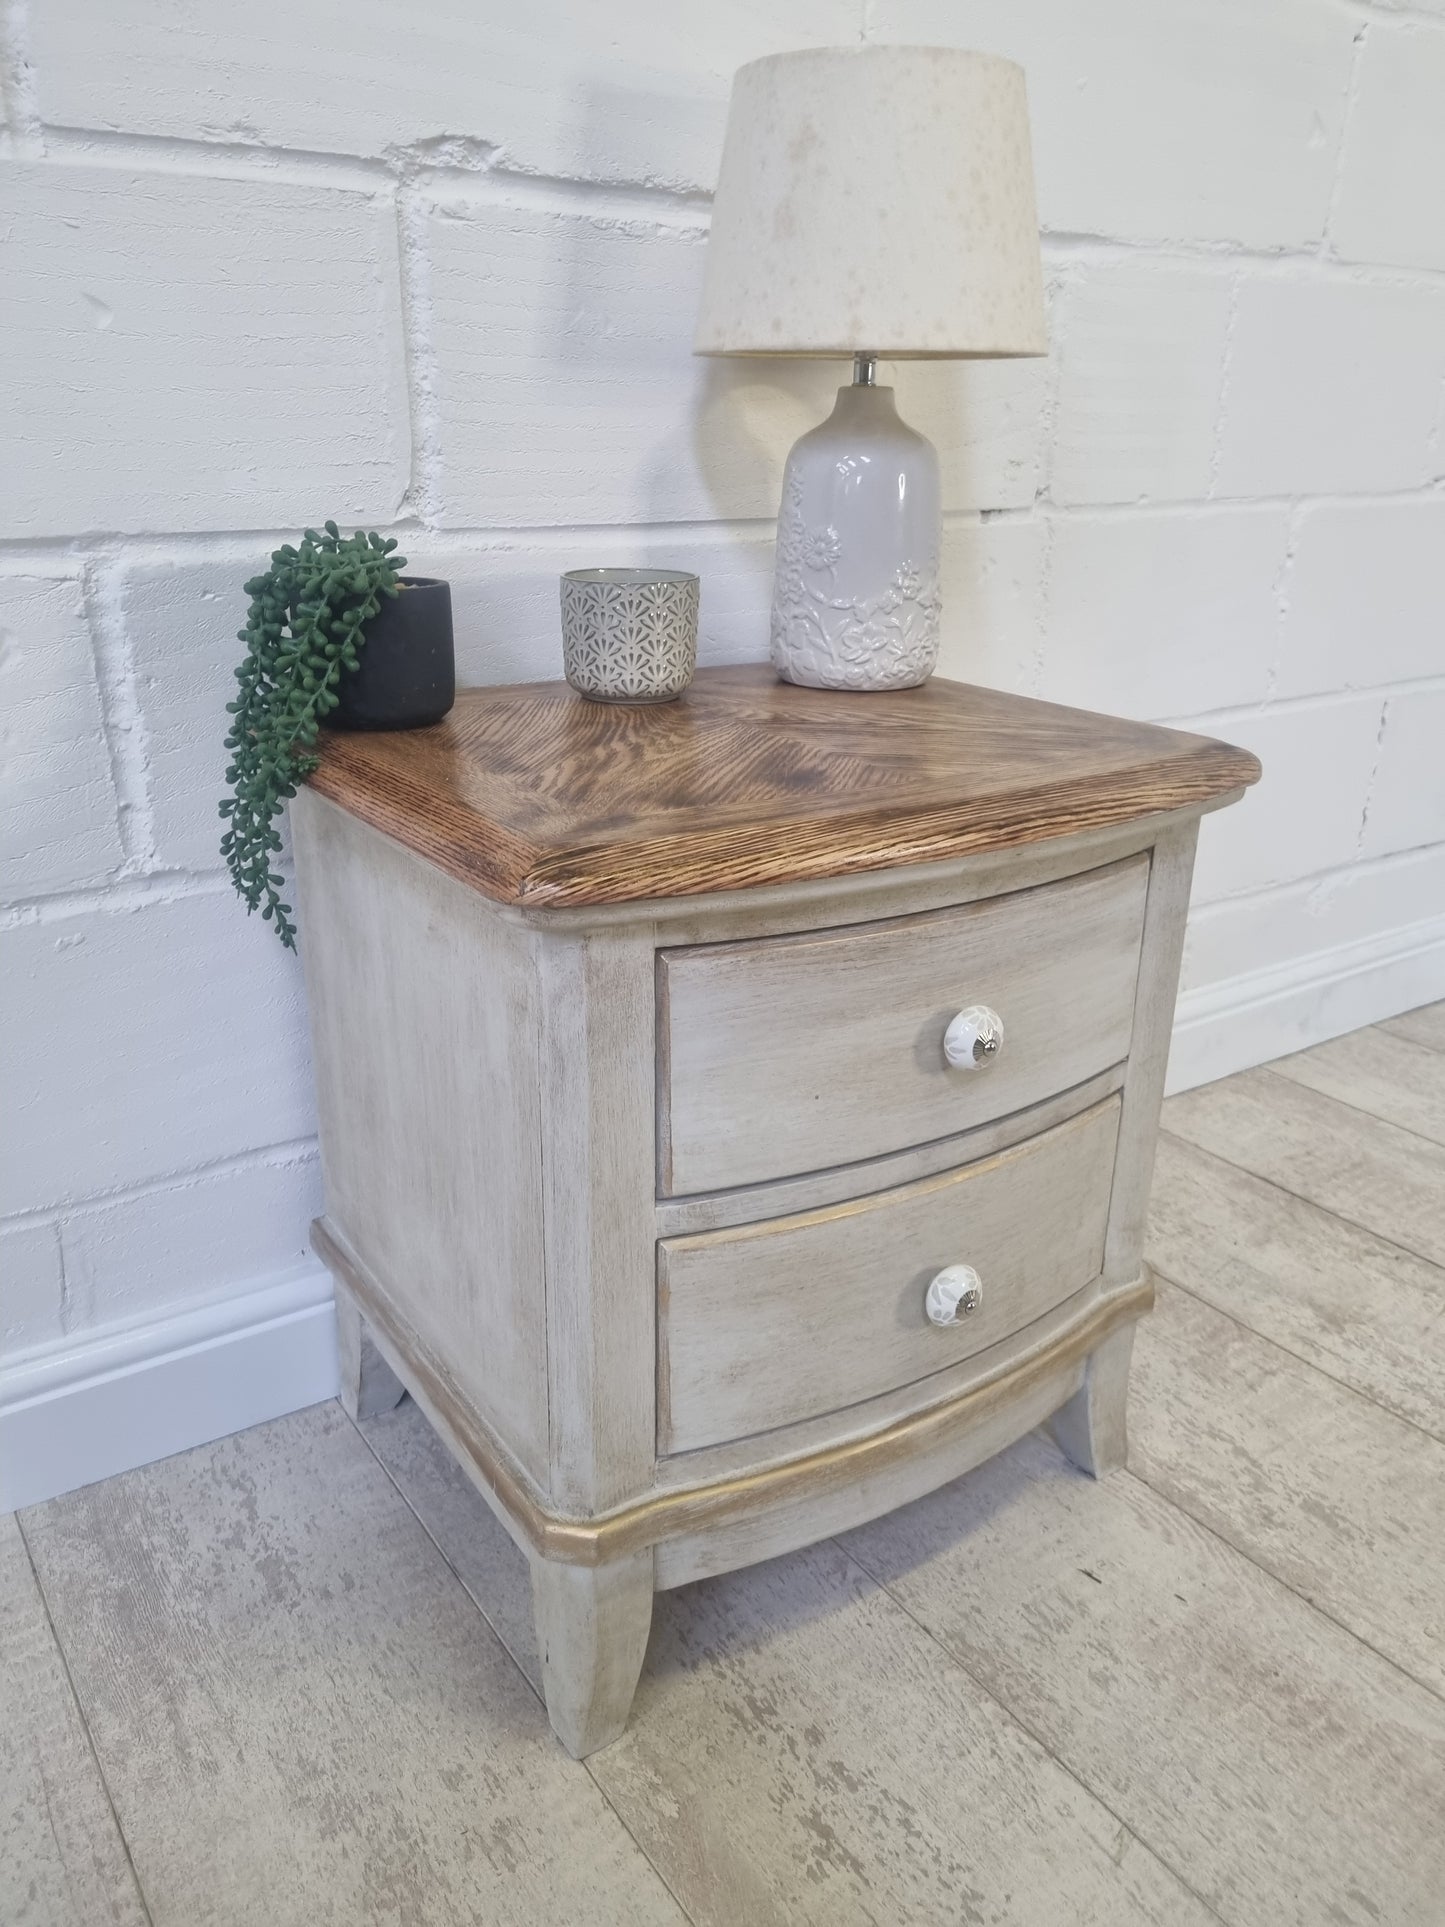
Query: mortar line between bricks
point(1352, 86)
point(119, 894)
point(1221, 398)
point(425, 165)
point(1393, 13)
point(1282, 262)
point(1370, 865)
point(122, 718)
point(429, 166)
point(20, 555)
point(423, 497)
point(17, 85)
point(1373, 778)
point(1201, 508)
point(1307, 699)
point(1294, 523)
point(289, 1153)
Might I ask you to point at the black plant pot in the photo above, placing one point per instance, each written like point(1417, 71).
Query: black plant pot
point(406, 676)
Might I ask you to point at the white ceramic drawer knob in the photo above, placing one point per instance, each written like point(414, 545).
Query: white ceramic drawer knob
point(973, 1038)
point(953, 1294)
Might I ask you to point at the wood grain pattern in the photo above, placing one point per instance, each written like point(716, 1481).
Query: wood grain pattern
point(863, 896)
point(532, 795)
point(1376, 1071)
point(1289, 1775)
point(1387, 1180)
point(304, 1721)
point(425, 1015)
point(1355, 1306)
point(767, 1324)
point(62, 1860)
point(802, 1052)
point(813, 1190)
point(1342, 1501)
point(798, 1754)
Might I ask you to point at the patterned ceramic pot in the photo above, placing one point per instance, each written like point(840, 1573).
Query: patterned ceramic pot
point(629, 635)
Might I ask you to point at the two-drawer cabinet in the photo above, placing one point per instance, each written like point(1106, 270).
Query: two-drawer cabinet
point(737, 1115)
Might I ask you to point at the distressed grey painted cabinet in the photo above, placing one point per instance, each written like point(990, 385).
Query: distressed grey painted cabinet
point(737, 1116)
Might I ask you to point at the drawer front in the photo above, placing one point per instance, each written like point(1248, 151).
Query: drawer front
point(768, 1324)
point(794, 1054)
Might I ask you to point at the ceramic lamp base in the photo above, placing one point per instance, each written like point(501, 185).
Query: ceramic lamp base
point(855, 594)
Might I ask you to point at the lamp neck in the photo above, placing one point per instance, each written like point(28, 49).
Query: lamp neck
point(865, 371)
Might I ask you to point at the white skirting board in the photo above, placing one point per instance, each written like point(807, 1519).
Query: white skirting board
point(1225, 1027)
point(76, 1412)
point(80, 1411)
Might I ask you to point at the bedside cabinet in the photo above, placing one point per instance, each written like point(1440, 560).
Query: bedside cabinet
point(737, 1115)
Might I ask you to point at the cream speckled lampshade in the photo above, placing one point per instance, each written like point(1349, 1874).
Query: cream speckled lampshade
point(878, 199)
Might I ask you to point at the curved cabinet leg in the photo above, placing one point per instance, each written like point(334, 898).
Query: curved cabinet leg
point(1091, 1428)
point(592, 1627)
point(368, 1384)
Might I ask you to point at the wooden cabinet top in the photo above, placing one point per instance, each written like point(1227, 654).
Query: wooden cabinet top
point(534, 796)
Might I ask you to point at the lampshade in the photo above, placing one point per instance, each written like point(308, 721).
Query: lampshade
point(876, 199)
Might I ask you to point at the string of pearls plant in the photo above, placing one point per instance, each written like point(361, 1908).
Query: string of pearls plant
point(303, 632)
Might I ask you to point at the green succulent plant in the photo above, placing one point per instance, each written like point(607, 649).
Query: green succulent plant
point(303, 630)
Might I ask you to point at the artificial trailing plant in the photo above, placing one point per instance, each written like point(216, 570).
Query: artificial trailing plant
point(303, 631)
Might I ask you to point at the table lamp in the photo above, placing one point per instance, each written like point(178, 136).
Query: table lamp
point(872, 202)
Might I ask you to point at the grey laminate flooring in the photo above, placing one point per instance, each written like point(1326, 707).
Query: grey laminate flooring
point(290, 1677)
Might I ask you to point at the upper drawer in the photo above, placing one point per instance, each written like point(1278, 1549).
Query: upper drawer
point(766, 1324)
point(796, 1053)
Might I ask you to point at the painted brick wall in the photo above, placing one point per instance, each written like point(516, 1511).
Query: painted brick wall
point(255, 271)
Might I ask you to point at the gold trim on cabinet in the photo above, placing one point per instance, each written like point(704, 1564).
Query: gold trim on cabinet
point(668, 1515)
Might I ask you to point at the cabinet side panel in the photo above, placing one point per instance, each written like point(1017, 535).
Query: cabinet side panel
point(424, 1020)
point(1165, 910)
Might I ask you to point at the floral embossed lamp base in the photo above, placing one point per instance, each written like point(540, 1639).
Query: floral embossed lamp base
point(855, 596)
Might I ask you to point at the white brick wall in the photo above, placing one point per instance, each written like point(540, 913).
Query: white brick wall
point(59, 826)
point(1333, 386)
point(1162, 613)
point(1206, 120)
point(1140, 347)
point(1390, 205)
point(1407, 800)
point(228, 350)
point(259, 271)
point(632, 92)
point(143, 1040)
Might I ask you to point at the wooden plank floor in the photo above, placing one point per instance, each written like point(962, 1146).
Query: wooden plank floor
point(291, 1678)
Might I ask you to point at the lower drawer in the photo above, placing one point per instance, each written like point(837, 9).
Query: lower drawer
point(767, 1324)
